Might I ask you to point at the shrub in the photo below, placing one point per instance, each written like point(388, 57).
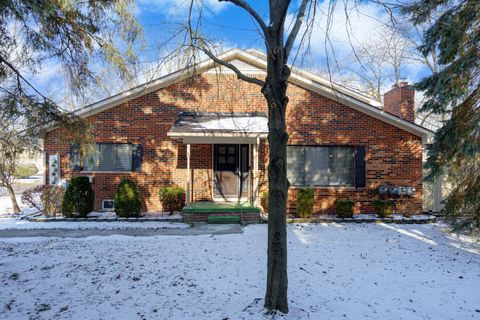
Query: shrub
point(46, 199)
point(344, 208)
point(383, 208)
point(172, 198)
point(406, 206)
point(264, 201)
point(78, 198)
point(305, 202)
point(127, 201)
point(25, 170)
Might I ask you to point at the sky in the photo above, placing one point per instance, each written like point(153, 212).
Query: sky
point(229, 26)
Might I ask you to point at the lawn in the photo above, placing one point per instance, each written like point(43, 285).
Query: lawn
point(336, 271)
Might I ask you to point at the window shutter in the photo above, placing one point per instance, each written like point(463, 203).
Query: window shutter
point(360, 167)
point(137, 157)
point(74, 154)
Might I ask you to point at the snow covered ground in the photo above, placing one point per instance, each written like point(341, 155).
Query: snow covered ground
point(336, 271)
point(7, 223)
point(7, 208)
point(19, 186)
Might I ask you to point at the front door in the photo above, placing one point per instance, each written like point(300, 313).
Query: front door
point(231, 171)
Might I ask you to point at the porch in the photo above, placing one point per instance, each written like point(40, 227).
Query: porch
point(235, 139)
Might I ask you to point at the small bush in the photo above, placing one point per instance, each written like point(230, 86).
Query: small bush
point(305, 202)
point(127, 200)
point(25, 170)
point(172, 198)
point(383, 208)
point(46, 199)
point(344, 208)
point(406, 206)
point(78, 198)
point(264, 201)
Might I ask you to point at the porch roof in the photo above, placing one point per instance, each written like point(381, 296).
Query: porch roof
point(219, 127)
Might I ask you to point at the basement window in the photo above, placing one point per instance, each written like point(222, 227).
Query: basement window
point(108, 205)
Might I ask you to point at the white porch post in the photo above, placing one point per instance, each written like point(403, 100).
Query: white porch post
point(188, 175)
point(255, 173)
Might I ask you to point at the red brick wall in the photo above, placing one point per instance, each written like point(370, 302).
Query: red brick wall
point(393, 155)
point(400, 101)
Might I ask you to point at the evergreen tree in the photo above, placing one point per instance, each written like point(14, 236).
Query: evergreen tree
point(71, 34)
point(455, 91)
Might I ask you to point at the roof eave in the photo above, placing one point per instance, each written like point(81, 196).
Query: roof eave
point(301, 78)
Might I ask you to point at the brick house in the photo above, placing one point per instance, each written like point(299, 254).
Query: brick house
point(205, 130)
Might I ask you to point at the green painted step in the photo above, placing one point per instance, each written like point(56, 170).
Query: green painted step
point(223, 219)
point(219, 207)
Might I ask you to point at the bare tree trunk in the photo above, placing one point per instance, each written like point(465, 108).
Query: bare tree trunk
point(275, 92)
point(277, 281)
point(13, 198)
point(274, 89)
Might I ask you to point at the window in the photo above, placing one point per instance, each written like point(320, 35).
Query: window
point(108, 157)
point(325, 166)
point(108, 205)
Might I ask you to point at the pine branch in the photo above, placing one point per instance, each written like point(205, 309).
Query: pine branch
point(21, 78)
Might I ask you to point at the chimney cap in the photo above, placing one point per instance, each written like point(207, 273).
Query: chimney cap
point(400, 84)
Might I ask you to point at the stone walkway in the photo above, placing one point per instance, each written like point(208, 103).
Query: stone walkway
point(197, 229)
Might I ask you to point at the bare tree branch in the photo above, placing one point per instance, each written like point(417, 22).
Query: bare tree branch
point(230, 66)
point(198, 42)
point(251, 11)
point(296, 27)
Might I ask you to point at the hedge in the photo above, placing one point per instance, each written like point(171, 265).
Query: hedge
point(127, 202)
point(305, 202)
point(78, 198)
point(172, 198)
point(383, 208)
point(45, 198)
point(344, 208)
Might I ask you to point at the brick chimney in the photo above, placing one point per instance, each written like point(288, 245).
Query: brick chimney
point(400, 101)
